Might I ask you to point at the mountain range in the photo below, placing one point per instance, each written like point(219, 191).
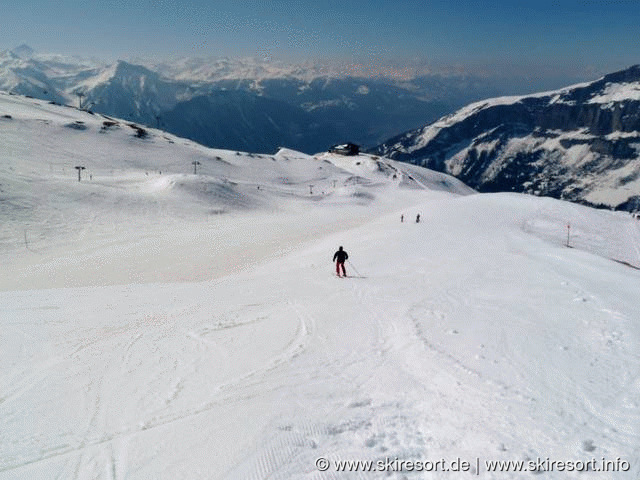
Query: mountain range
point(580, 143)
point(245, 104)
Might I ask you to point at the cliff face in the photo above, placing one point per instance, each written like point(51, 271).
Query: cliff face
point(581, 143)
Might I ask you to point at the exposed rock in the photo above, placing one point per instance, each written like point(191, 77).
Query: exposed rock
point(581, 143)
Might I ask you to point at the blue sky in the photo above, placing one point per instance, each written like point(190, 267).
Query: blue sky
point(601, 35)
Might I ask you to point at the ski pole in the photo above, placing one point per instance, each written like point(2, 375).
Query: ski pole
point(354, 268)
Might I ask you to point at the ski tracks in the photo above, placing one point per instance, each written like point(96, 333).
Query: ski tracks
point(82, 453)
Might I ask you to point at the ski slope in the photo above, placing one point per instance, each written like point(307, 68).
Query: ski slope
point(179, 326)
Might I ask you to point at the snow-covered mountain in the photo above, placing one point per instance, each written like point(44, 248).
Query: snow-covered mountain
point(580, 143)
point(48, 77)
point(43, 143)
point(308, 107)
point(131, 91)
point(175, 315)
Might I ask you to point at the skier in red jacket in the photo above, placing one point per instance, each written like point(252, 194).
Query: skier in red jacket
point(340, 257)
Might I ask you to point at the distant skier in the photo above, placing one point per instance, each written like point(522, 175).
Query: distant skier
point(418, 218)
point(401, 218)
point(340, 257)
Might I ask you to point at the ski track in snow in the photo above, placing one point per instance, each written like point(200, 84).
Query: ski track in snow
point(116, 360)
point(278, 456)
point(342, 406)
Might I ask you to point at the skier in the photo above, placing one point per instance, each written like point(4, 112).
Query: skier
point(418, 218)
point(340, 257)
point(402, 218)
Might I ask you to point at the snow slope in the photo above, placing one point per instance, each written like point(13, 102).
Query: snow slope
point(196, 329)
point(148, 182)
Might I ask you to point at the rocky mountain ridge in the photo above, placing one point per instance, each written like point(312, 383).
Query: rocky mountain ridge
point(580, 143)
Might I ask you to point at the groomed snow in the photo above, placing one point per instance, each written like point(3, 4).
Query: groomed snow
point(179, 326)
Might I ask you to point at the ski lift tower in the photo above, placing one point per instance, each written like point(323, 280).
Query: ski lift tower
point(79, 168)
